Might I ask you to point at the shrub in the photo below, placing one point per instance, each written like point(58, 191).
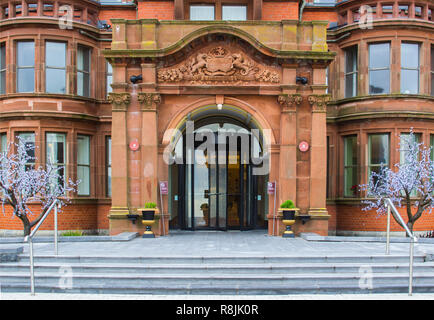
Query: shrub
point(150, 205)
point(288, 204)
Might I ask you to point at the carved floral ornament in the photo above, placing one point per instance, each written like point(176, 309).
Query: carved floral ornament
point(148, 100)
point(289, 100)
point(119, 101)
point(319, 102)
point(219, 66)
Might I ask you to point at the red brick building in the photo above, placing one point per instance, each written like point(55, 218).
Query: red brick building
point(316, 94)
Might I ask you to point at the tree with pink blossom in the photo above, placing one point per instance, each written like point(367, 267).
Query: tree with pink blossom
point(22, 184)
point(408, 184)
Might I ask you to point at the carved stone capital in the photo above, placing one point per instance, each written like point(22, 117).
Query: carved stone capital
point(119, 101)
point(149, 101)
point(319, 102)
point(289, 102)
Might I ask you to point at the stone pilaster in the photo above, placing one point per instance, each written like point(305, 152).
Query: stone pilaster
point(120, 103)
point(318, 150)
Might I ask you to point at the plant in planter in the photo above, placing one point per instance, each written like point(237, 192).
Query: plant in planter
point(148, 218)
point(288, 210)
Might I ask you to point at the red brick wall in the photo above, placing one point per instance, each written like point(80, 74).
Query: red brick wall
point(117, 14)
point(353, 218)
point(161, 10)
point(72, 217)
point(319, 15)
point(276, 11)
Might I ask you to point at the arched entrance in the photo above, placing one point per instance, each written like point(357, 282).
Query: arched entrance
point(218, 172)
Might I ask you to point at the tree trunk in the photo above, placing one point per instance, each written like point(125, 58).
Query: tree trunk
point(26, 224)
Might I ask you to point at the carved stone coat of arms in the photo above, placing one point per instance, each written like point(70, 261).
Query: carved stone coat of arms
point(219, 66)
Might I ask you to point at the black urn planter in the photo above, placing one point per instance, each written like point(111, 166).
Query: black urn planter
point(288, 219)
point(148, 219)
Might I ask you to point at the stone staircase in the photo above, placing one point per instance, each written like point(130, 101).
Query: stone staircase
point(249, 275)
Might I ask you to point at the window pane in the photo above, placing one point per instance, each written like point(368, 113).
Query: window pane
point(25, 54)
point(379, 55)
point(26, 80)
point(409, 81)
point(379, 81)
point(83, 148)
point(350, 182)
point(55, 54)
point(350, 166)
point(350, 146)
point(202, 12)
point(3, 142)
point(351, 59)
point(2, 69)
point(83, 84)
point(410, 55)
point(83, 174)
point(108, 165)
point(379, 149)
point(350, 85)
point(55, 80)
point(83, 58)
point(234, 13)
point(29, 140)
point(56, 143)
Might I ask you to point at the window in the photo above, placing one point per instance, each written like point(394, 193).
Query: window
point(25, 66)
point(83, 164)
point(410, 68)
point(109, 77)
point(3, 142)
point(202, 12)
point(83, 71)
point(351, 72)
point(56, 154)
point(234, 13)
point(108, 157)
point(378, 156)
point(2, 68)
point(350, 166)
point(28, 138)
point(432, 70)
point(55, 67)
point(379, 68)
point(404, 140)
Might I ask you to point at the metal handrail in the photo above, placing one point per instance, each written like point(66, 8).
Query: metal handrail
point(29, 239)
point(390, 206)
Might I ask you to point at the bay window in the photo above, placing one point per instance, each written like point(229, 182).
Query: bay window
point(55, 67)
point(351, 72)
point(83, 165)
point(25, 66)
point(83, 71)
point(350, 166)
point(2, 68)
point(56, 154)
point(108, 157)
point(378, 152)
point(379, 68)
point(410, 68)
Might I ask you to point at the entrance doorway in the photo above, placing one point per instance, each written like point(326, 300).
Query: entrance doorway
point(215, 187)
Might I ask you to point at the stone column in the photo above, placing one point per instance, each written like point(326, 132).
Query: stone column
point(120, 102)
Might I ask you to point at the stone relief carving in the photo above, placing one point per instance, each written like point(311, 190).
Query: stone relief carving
point(219, 66)
point(119, 101)
point(148, 100)
point(319, 102)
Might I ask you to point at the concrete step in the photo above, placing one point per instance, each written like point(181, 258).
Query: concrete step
point(144, 280)
point(161, 260)
point(264, 268)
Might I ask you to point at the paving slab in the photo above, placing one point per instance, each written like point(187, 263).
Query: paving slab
point(214, 244)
